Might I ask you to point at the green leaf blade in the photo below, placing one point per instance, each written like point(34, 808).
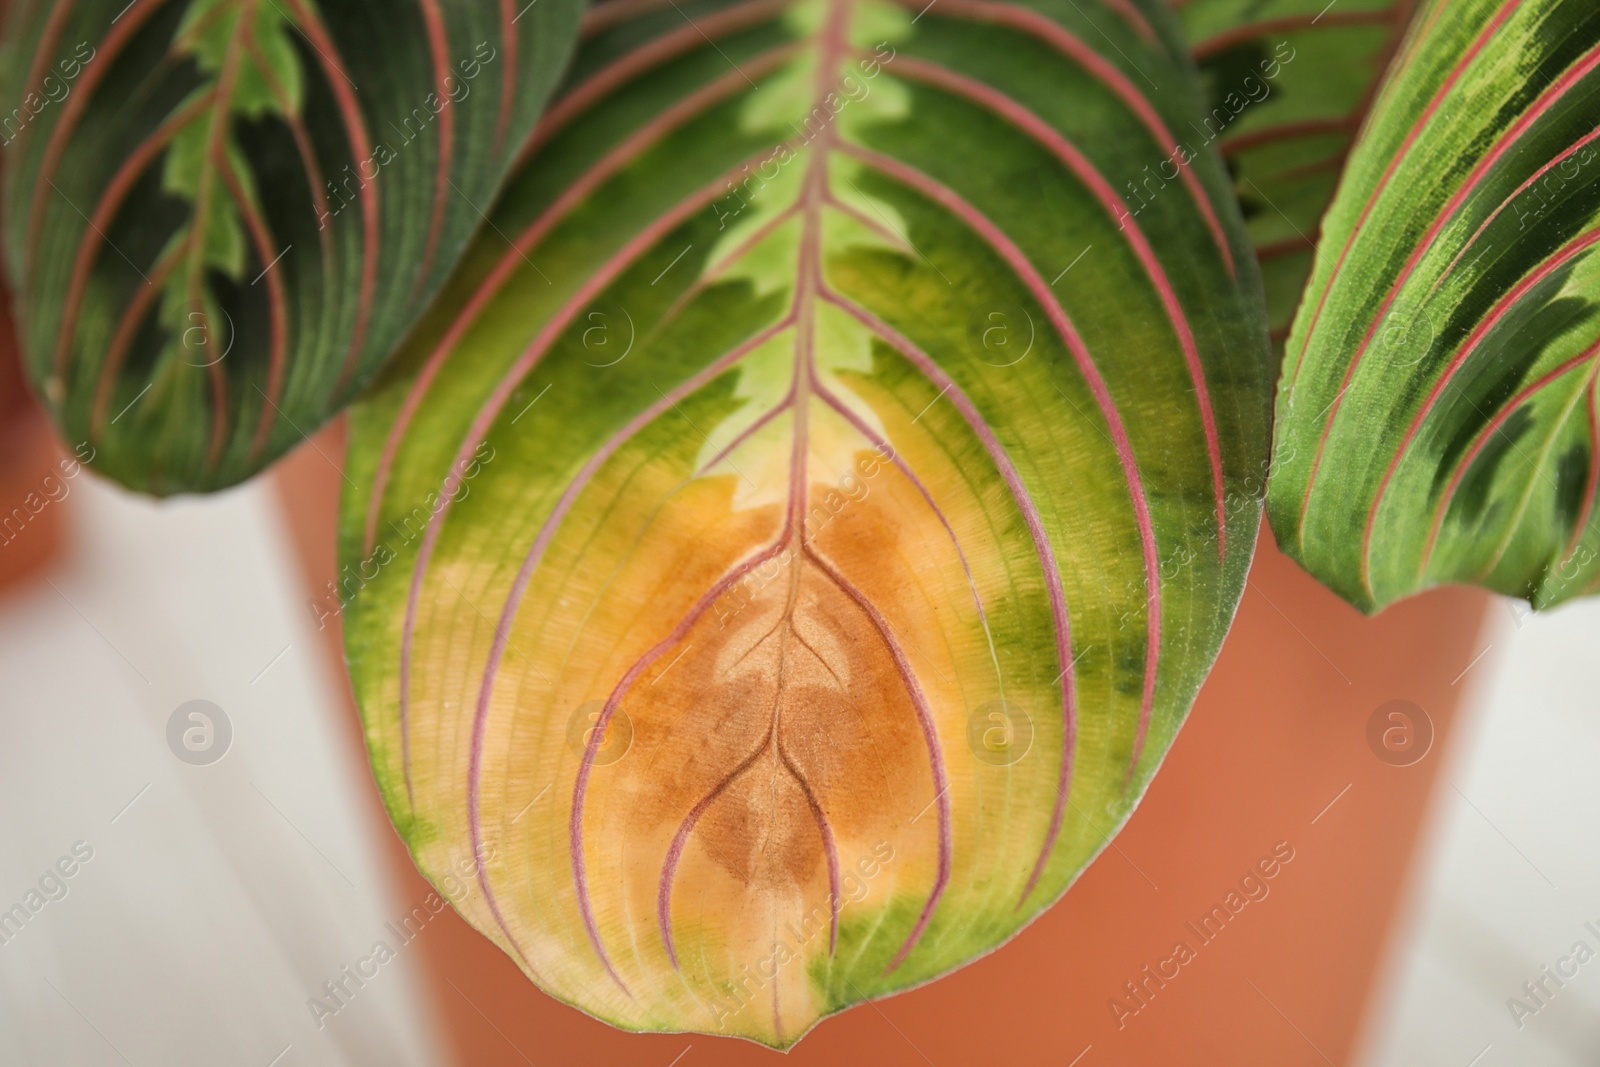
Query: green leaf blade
point(224, 215)
point(1435, 420)
point(830, 426)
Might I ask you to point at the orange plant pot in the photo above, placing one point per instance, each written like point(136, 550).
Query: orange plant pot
point(30, 526)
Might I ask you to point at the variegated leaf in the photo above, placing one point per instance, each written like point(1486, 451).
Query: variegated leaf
point(221, 216)
point(771, 580)
point(1437, 417)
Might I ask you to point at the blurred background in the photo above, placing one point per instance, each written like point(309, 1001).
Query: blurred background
point(194, 867)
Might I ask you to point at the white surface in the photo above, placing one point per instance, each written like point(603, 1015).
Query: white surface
point(1511, 870)
point(225, 895)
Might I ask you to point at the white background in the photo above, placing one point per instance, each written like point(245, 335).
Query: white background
point(219, 898)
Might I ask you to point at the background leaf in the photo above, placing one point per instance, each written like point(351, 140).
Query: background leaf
point(773, 580)
point(1288, 84)
point(223, 215)
point(1436, 420)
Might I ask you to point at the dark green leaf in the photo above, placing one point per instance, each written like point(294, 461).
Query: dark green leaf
point(221, 216)
point(1288, 84)
point(1437, 416)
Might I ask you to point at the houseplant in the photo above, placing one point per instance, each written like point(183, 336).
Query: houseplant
point(928, 337)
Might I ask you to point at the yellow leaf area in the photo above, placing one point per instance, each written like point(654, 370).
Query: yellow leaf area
point(726, 771)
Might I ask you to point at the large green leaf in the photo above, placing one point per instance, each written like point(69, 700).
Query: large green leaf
point(1436, 420)
point(1288, 84)
point(222, 216)
point(770, 583)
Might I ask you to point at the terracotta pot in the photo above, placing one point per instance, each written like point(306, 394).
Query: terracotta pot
point(30, 522)
point(1278, 770)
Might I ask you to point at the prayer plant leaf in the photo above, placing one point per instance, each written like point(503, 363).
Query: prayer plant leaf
point(1437, 415)
point(222, 216)
point(770, 580)
point(1288, 85)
